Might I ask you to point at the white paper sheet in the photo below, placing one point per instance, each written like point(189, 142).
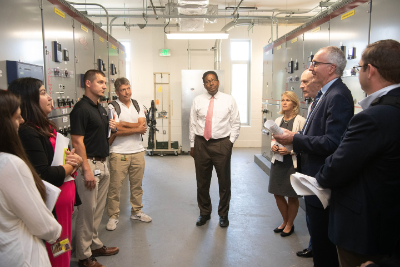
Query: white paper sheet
point(59, 151)
point(275, 129)
point(110, 117)
point(52, 193)
point(305, 185)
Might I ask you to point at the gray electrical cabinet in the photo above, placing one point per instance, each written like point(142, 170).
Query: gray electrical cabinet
point(295, 65)
point(350, 33)
point(21, 30)
point(101, 59)
point(385, 20)
point(59, 62)
point(279, 72)
point(113, 66)
point(84, 54)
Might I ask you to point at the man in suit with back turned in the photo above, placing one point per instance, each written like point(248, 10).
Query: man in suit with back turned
point(363, 173)
point(330, 113)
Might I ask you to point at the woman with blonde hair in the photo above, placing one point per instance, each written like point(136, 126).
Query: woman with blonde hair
point(279, 182)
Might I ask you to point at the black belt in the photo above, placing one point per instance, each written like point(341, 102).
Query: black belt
point(212, 139)
point(97, 159)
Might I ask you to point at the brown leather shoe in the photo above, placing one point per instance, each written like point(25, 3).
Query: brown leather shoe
point(105, 251)
point(89, 262)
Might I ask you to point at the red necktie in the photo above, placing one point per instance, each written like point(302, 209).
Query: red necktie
point(208, 126)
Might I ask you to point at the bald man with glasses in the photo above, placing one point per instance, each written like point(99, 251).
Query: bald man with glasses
point(329, 115)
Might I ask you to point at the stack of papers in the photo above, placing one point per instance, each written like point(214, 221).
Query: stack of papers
point(52, 193)
point(305, 185)
point(275, 129)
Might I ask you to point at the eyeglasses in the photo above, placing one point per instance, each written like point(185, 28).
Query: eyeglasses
point(210, 81)
point(358, 67)
point(316, 63)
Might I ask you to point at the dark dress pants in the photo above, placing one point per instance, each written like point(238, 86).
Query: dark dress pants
point(208, 154)
point(324, 251)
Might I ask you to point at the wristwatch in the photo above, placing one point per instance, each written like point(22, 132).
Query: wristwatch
point(116, 130)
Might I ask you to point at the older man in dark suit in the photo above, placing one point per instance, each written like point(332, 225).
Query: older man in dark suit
point(363, 173)
point(331, 111)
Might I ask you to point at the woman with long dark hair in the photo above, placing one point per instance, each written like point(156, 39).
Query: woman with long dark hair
point(25, 219)
point(38, 136)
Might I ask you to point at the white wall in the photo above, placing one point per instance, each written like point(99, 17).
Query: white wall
point(146, 60)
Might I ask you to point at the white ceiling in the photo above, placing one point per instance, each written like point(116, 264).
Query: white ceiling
point(260, 4)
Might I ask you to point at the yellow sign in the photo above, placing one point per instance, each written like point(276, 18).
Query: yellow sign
point(316, 29)
point(101, 39)
point(83, 28)
point(348, 14)
point(113, 46)
point(159, 88)
point(294, 40)
point(278, 47)
point(122, 52)
point(58, 12)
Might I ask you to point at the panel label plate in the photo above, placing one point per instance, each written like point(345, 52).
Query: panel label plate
point(316, 29)
point(278, 47)
point(83, 28)
point(348, 14)
point(294, 40)
point(101, 39)
point(58, 12)
point(113, 46)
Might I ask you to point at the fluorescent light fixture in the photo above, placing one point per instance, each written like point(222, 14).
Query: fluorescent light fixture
point(197, 35)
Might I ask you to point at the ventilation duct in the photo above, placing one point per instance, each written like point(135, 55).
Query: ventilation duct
point(191, 8)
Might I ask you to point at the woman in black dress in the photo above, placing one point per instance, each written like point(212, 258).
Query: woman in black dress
point(279, 183)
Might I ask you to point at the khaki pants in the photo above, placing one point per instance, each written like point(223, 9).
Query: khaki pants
point(120, 165)
point(91, 210)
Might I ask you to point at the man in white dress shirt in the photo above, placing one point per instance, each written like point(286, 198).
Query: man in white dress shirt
point(214, 127)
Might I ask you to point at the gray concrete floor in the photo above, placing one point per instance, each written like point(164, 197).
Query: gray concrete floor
point(173, 240)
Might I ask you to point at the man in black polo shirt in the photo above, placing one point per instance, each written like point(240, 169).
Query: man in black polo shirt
point(89, 130)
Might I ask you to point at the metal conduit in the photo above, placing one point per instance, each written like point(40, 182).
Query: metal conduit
point(197, 16)
point(93, 4)
point(219, 10)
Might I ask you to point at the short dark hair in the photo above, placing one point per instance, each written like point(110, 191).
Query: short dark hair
point(121, 81)
point(90, 75)
point(210, 72)
point(385, 56)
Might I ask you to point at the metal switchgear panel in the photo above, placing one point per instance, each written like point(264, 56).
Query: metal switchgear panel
point(60, 73)
point(349, 31)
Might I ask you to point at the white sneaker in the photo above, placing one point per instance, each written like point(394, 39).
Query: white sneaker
point(112, 224)
point(141, 216)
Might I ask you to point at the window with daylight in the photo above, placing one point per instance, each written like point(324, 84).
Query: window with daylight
point(240, 66)
point(127, 45)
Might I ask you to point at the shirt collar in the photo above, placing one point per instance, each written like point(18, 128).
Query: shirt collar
point(215, 96)
point(326, 86)
point(120, 103)
point(366, 102)
point(89, 101)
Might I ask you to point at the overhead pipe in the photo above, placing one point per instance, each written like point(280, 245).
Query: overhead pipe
point(154, 9)
point(236, 9)
point(204, 16)
point(219, 10)
point(93, 4)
